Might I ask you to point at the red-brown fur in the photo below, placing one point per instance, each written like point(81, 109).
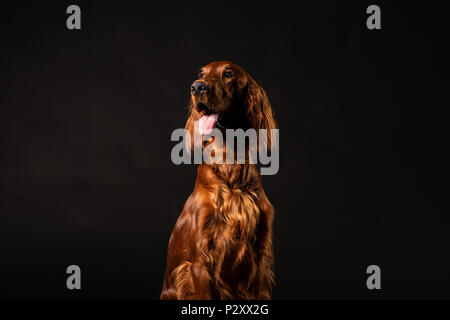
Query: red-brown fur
point(221, 245)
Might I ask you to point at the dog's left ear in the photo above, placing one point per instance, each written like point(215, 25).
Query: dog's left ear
point(259, 110)
point(193, 141)
point(190, 131)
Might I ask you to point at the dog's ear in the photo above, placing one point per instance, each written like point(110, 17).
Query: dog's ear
point(259, 111)
point(190, 140)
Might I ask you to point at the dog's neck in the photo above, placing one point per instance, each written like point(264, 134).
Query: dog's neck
point(243, 177)
point(237, 177)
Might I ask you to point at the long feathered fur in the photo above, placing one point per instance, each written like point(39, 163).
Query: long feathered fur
point(221, 245)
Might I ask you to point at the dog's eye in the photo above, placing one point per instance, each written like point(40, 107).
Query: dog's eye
point(201, 75)
point(228, 74)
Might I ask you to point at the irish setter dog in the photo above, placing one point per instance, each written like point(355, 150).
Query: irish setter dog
point(221, 245)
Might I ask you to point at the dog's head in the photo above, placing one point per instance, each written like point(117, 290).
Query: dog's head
point(226, 97)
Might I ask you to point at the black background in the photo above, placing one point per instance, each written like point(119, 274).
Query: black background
point(86, 117)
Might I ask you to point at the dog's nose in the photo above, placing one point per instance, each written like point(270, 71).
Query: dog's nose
point(198, 88)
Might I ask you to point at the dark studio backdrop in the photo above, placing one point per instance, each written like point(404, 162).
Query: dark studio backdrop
point(86, 117)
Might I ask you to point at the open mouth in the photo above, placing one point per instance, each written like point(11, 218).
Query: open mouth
point(208, 122)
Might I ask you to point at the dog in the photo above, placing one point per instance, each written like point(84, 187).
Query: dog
point(221, 245)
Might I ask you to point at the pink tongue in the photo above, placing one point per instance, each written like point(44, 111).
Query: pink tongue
point(206, 123)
